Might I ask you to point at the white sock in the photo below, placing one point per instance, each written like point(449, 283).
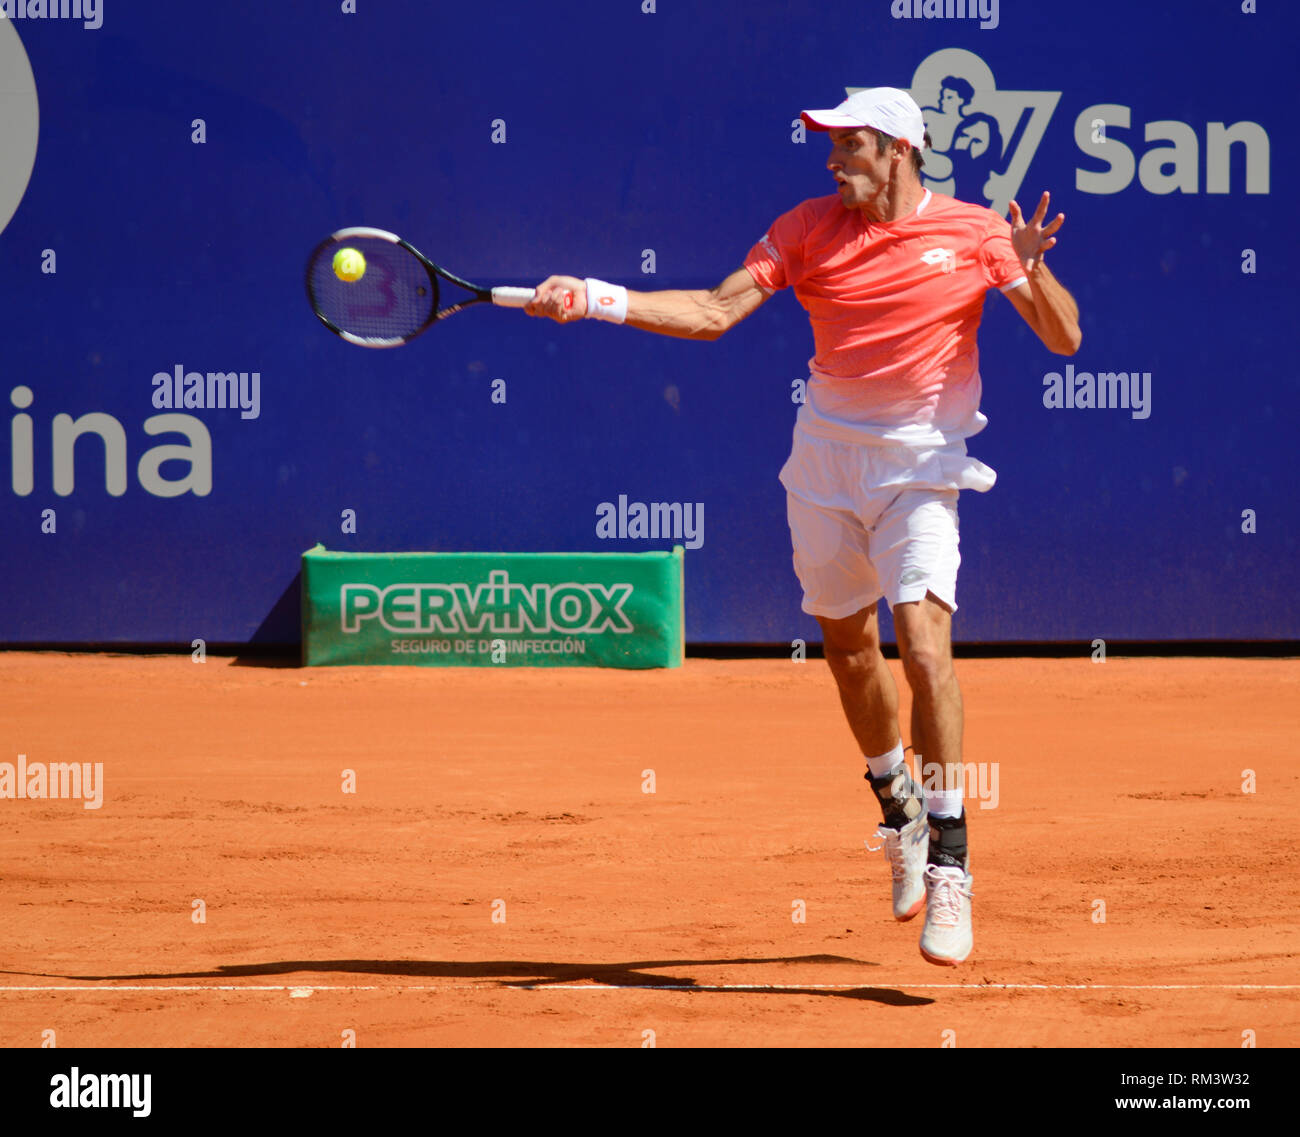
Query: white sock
point(943, 803)
point(886, 763)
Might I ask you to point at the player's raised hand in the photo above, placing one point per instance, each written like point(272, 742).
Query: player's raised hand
point(1030, 239)
point(562, 298)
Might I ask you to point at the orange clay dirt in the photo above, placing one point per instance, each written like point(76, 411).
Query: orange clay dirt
point(520, 793)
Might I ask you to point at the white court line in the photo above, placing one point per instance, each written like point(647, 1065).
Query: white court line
point(520, 986)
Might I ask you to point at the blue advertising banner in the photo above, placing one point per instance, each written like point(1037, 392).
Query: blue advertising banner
point(181, 426)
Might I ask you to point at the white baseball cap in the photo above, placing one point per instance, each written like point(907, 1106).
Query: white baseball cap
point(885, 108)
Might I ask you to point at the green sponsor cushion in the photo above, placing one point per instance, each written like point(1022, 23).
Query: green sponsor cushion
point(493, 609)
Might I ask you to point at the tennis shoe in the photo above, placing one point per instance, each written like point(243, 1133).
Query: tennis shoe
point(946, 938)
point(906, 850)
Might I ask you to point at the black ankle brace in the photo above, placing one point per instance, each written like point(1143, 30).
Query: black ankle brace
point(948, 842)
point(899, 796)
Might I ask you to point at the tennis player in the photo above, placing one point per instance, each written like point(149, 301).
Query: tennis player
point(893, 278)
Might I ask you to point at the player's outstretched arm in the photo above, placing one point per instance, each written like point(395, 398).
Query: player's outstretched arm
point(697, 314)
point(1043, 302)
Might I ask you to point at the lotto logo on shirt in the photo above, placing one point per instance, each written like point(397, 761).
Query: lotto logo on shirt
point(945, 258)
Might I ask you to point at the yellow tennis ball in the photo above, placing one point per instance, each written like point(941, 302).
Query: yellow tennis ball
point(349, 265)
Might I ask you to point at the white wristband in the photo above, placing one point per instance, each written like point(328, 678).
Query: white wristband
point(606, 301)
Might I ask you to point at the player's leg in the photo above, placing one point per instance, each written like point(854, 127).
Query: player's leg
point(924, 632)
point(841, 589)
point(915, 547)
point(869, 697)
point(840, 585)
point(867, 690)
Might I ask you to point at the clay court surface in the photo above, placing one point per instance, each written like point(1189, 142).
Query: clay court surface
point(625, 911)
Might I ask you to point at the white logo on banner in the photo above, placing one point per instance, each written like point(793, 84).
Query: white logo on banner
point(19, 122)
point(983, 140)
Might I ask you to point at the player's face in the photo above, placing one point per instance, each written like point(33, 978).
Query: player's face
point(860, 170)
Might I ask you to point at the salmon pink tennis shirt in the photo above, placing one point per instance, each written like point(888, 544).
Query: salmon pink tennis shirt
point(894, 308)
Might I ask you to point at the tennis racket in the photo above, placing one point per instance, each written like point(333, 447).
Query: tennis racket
point(396, 296)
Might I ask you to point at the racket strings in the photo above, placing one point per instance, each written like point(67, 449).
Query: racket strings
point(395, 298)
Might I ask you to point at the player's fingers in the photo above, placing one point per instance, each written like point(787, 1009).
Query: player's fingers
point(1041, 211)
point(1057, 222)
point(538, 305)
point(1017, 218)
point(551, 296)
point(560, 298)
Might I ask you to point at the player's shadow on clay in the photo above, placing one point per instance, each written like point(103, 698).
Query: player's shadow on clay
point(527, 974)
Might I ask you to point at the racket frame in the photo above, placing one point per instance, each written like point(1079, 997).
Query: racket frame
point(341, 237)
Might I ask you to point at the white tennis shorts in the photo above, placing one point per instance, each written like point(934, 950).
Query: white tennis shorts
point(869, 521)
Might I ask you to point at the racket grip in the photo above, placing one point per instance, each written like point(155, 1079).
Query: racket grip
point(512, 297)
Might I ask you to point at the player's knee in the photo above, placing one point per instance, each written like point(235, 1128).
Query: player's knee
point(851, 666)
point(927, 667)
